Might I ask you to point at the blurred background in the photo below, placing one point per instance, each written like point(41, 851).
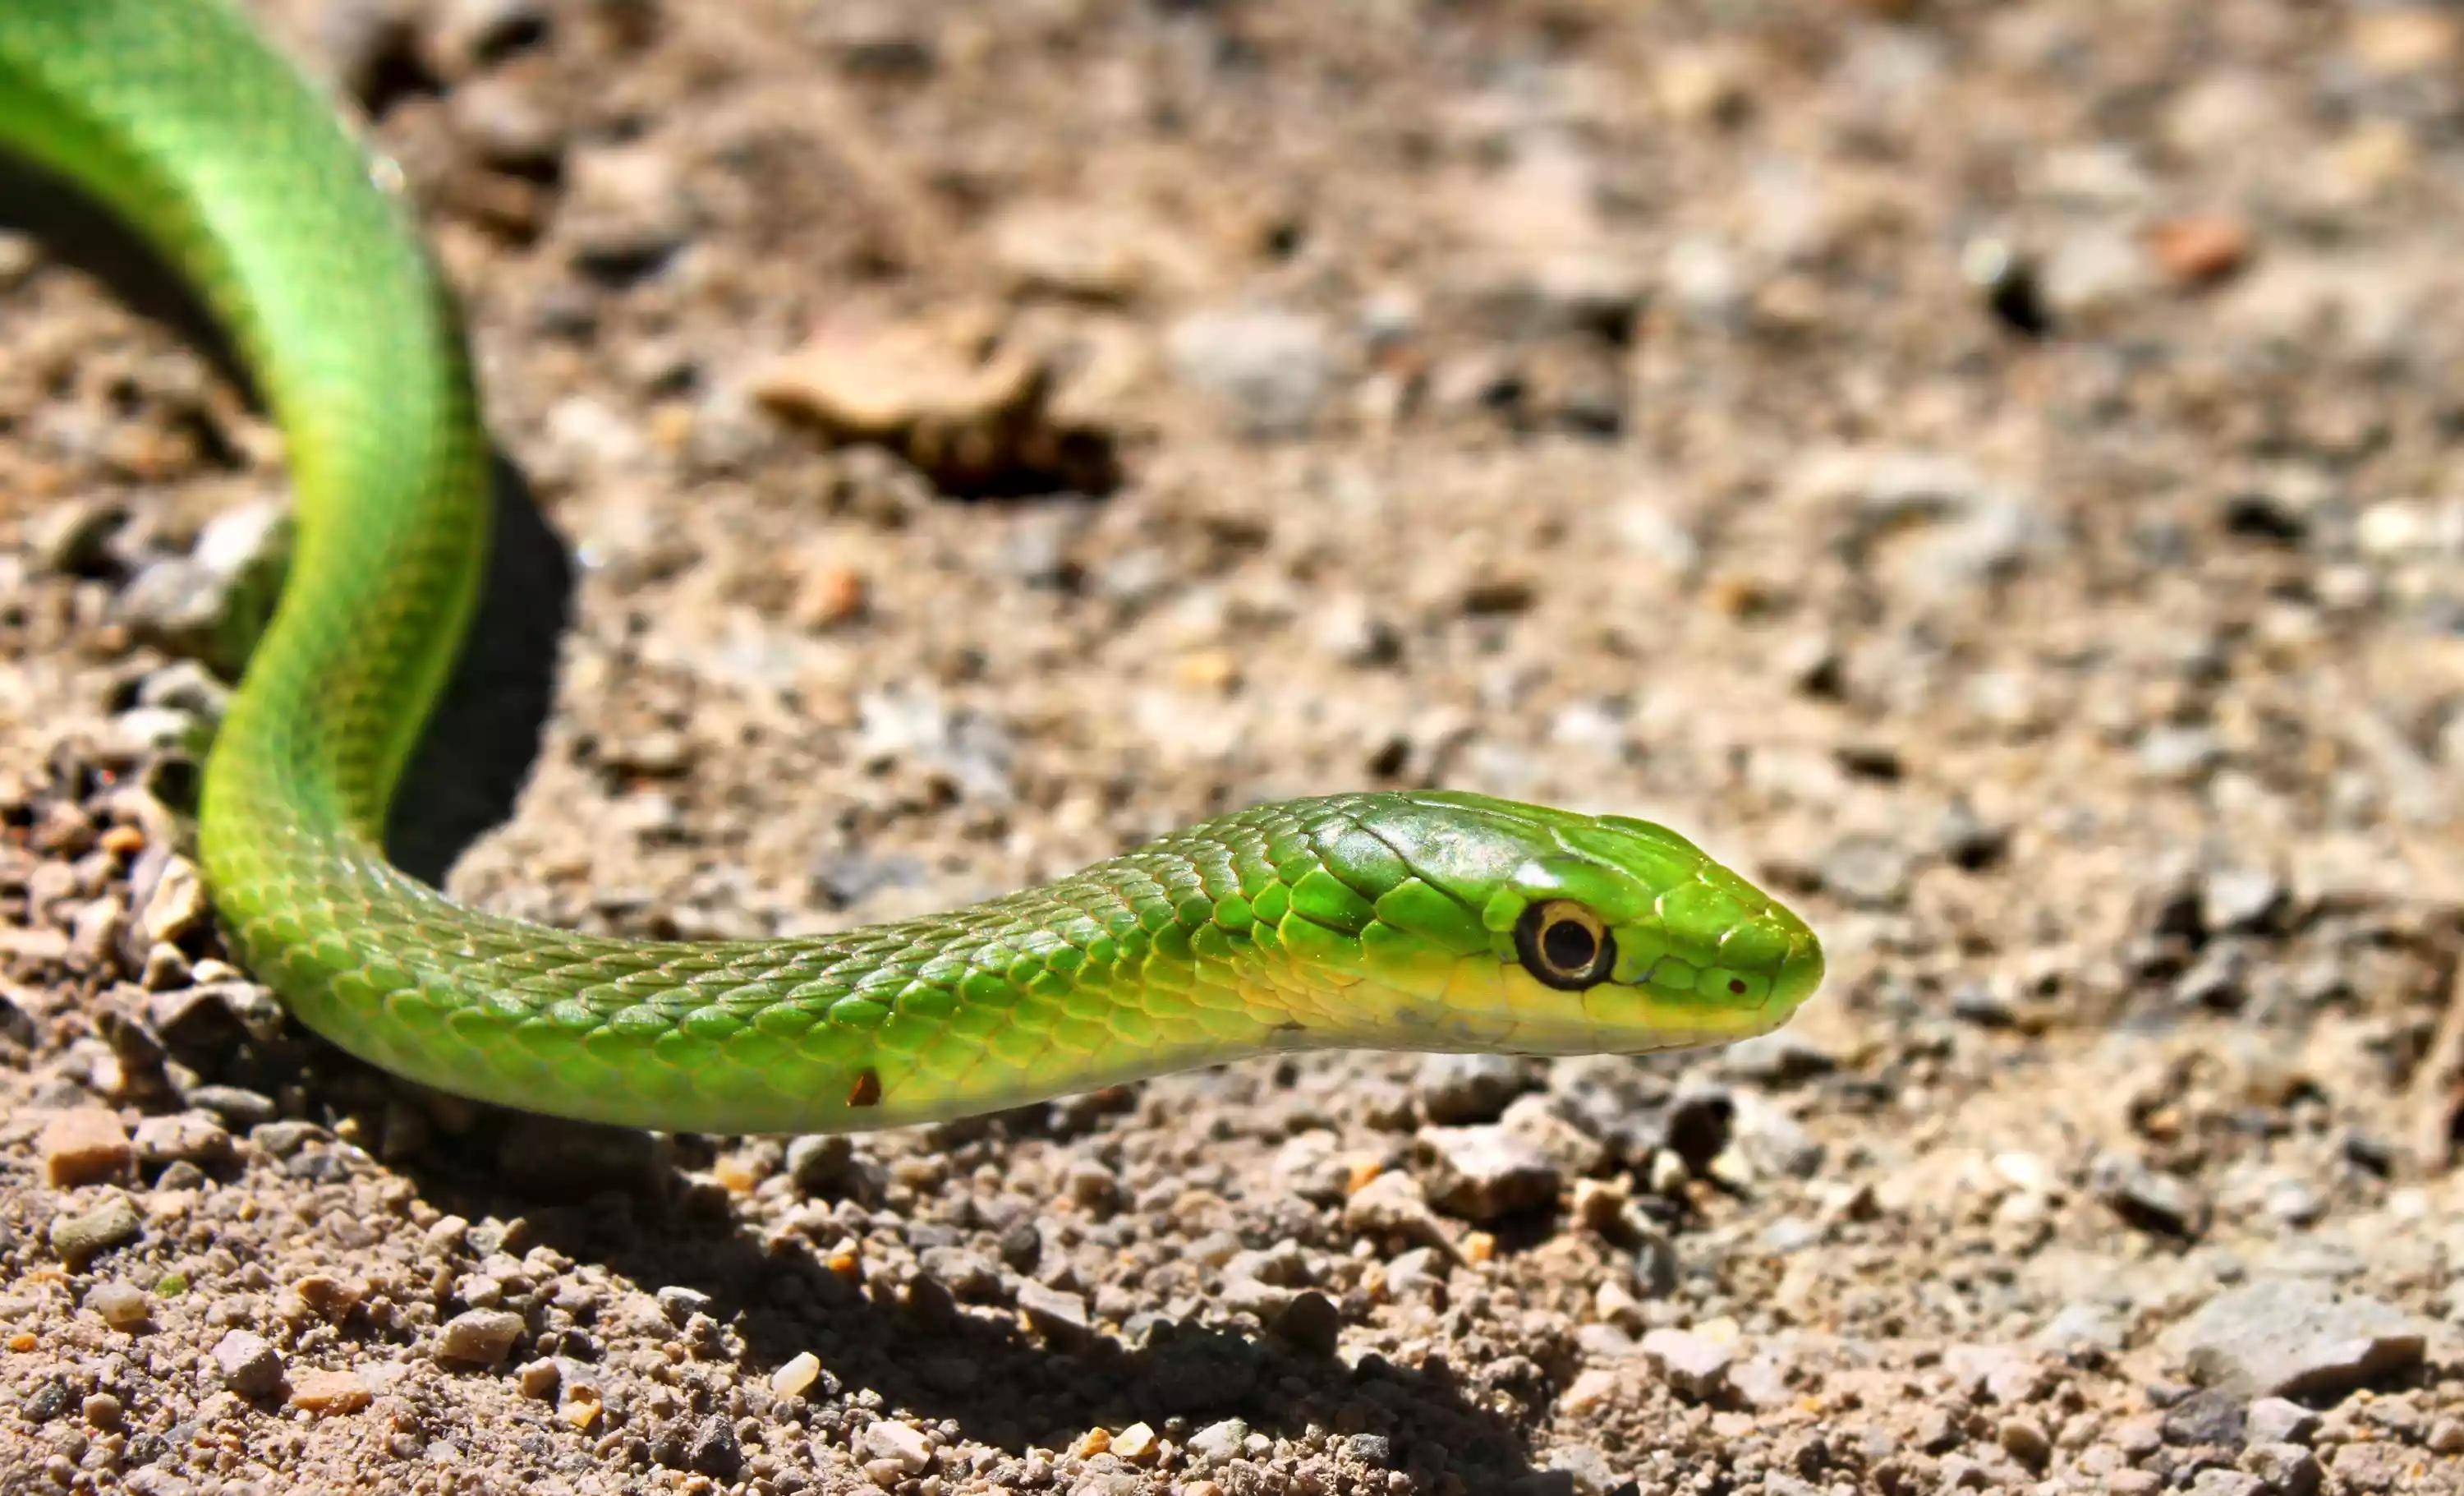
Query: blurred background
point(1990, 471)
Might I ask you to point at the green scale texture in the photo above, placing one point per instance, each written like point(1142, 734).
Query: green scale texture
point(1380, 920)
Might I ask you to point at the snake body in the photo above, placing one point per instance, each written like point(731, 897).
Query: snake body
point(1432, 921)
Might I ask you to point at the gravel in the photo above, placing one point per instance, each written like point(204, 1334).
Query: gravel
point(1986, 472)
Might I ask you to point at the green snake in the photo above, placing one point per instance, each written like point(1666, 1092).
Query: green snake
point(1415, 920)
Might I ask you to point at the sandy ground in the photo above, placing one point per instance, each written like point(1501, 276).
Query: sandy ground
point(1993, 472)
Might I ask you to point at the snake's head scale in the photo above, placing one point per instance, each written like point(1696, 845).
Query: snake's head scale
point(1538, 931)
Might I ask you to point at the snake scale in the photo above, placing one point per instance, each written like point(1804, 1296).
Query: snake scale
point(1429, 920)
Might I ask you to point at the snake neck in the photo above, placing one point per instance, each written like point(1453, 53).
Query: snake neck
point(1288, 926)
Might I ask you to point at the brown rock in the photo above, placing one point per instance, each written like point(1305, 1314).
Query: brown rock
point(85, 1146)
point(2199, 249)
point(878, 384)
point(329, 1392)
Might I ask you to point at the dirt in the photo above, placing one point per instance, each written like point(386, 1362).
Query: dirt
point(1990, 471)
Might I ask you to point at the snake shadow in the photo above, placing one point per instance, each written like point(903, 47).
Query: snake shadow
point(911, 1343)
point(483, 738)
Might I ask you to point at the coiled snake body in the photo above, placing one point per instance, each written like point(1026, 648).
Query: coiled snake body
point(1410, 921)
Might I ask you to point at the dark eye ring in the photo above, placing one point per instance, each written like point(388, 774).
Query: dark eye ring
point(1564, 944)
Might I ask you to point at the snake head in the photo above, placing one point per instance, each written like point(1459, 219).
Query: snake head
point(1529, 929)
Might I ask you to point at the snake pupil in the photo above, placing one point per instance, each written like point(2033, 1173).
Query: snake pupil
point(1563, 945)
point(1569, 946)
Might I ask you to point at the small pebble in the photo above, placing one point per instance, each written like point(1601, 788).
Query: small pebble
point(2240, 898)
point(540, 1378)
point(1057, 1316)
point(1091, 1184)
point(286, 1138)
point(332, 1297)
point(446, 1233)
point(79, 1238)
point(509, 126)
point(248, 1362)
point(123, 1306)
point(2151, 1199)
point(329, 1392)
point(906, 1448)
point(822, 1163)
point(187, 1137)
point(1870, 871)
point(2199, 250)
point(478, 1337)
point(625, 212)
point(1218, 1442)
point(714, 1450)
point(1271, 369)
point(2285, 1468)
point(187, 687)
point(1695, 1365)
point(2026, 1440)
point(154, 731)
point(1394, 1204)
point(1311, 1322)
point(84, 1146)
point(796, 1373)
point(2212, 1416)
point(1487, 1172)
point(237, 1107)
point(680, 1304)
point(177, 908)
point(2008, 1374)
point(2179, 754)
point(2280, 1420)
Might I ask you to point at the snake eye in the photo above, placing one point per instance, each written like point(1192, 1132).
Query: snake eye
point(1564, 944)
